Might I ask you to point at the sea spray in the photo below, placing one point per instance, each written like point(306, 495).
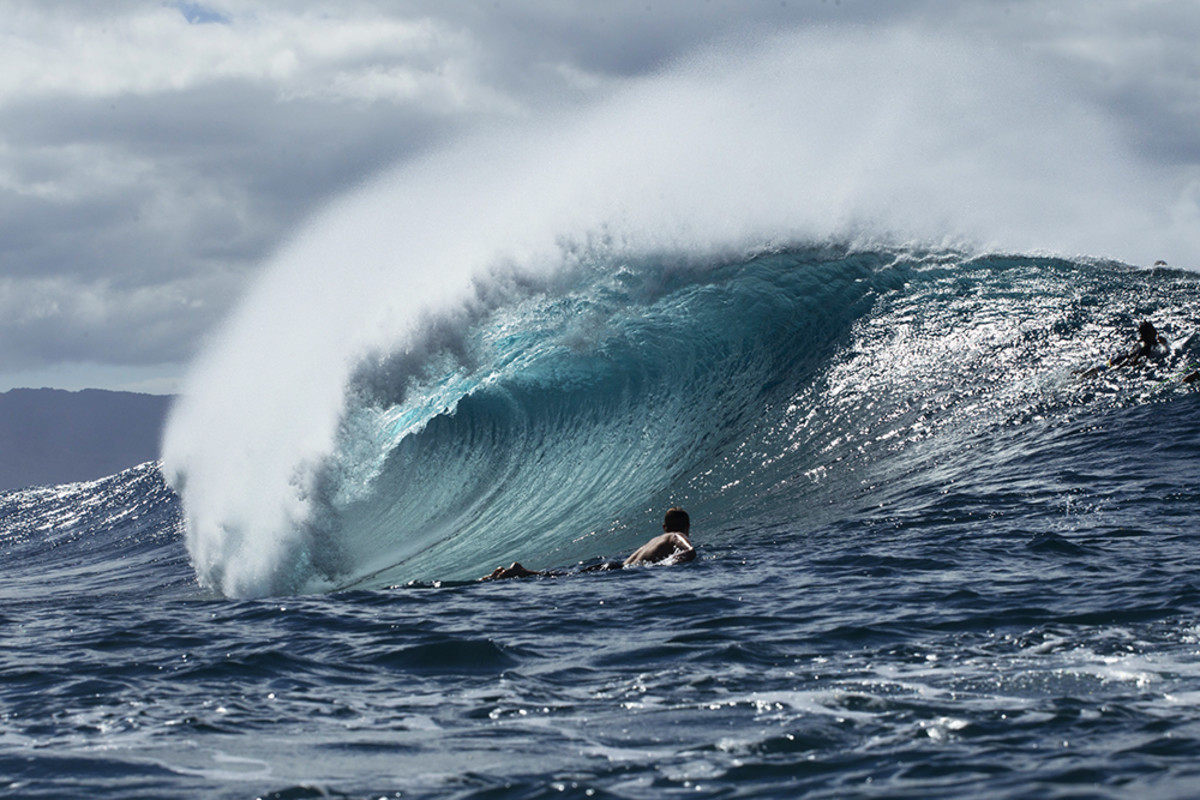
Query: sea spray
point(720, 155)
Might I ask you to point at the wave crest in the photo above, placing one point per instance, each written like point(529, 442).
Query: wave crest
point(271, 444)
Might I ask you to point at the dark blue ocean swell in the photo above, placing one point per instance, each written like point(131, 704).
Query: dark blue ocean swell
point(1006, 638)
point(117, 535)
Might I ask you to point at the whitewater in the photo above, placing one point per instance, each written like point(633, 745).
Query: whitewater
point(843, 317)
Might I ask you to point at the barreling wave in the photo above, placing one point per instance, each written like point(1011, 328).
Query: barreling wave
point(526, 344)
point(769, 390)
point(560, 423)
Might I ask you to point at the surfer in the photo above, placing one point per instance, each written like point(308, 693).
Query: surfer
point(1149, 342)
point(672, 546)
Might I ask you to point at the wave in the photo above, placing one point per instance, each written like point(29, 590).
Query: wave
point(768, 391)
point(528, 343)
point(113, 537)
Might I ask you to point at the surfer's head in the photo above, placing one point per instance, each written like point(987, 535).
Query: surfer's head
point(677, 521)
point(1147, 333)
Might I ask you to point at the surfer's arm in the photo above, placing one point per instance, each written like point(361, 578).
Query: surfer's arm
point(1121, 359)
point(515, 571)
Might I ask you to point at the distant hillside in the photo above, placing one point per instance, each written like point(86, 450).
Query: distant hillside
point(50, 436)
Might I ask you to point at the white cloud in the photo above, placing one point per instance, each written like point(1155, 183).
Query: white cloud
point(294, 54)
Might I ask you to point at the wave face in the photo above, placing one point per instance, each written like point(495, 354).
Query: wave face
point(559, 424)
point(528, 344)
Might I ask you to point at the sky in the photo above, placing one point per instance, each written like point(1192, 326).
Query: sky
point(154, 155)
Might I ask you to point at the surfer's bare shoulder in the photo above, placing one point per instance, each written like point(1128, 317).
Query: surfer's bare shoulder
point(670, 547)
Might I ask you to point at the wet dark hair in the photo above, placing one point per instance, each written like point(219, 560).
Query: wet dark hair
point(677, 520)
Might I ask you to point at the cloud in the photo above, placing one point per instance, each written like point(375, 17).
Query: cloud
point(153, 155)
point(147, 163)
point(46, 320)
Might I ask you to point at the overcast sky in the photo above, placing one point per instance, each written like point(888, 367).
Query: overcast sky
point(153, 154)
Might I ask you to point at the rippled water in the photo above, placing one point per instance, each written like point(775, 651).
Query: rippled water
point(1030, 644)
point(930, 566)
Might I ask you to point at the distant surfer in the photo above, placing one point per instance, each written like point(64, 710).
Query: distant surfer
point(672, 546)
point(1151, 344)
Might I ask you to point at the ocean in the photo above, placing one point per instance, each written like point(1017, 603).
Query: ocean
point(935, 560)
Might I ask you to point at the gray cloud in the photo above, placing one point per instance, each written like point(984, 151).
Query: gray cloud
point(152, 156)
